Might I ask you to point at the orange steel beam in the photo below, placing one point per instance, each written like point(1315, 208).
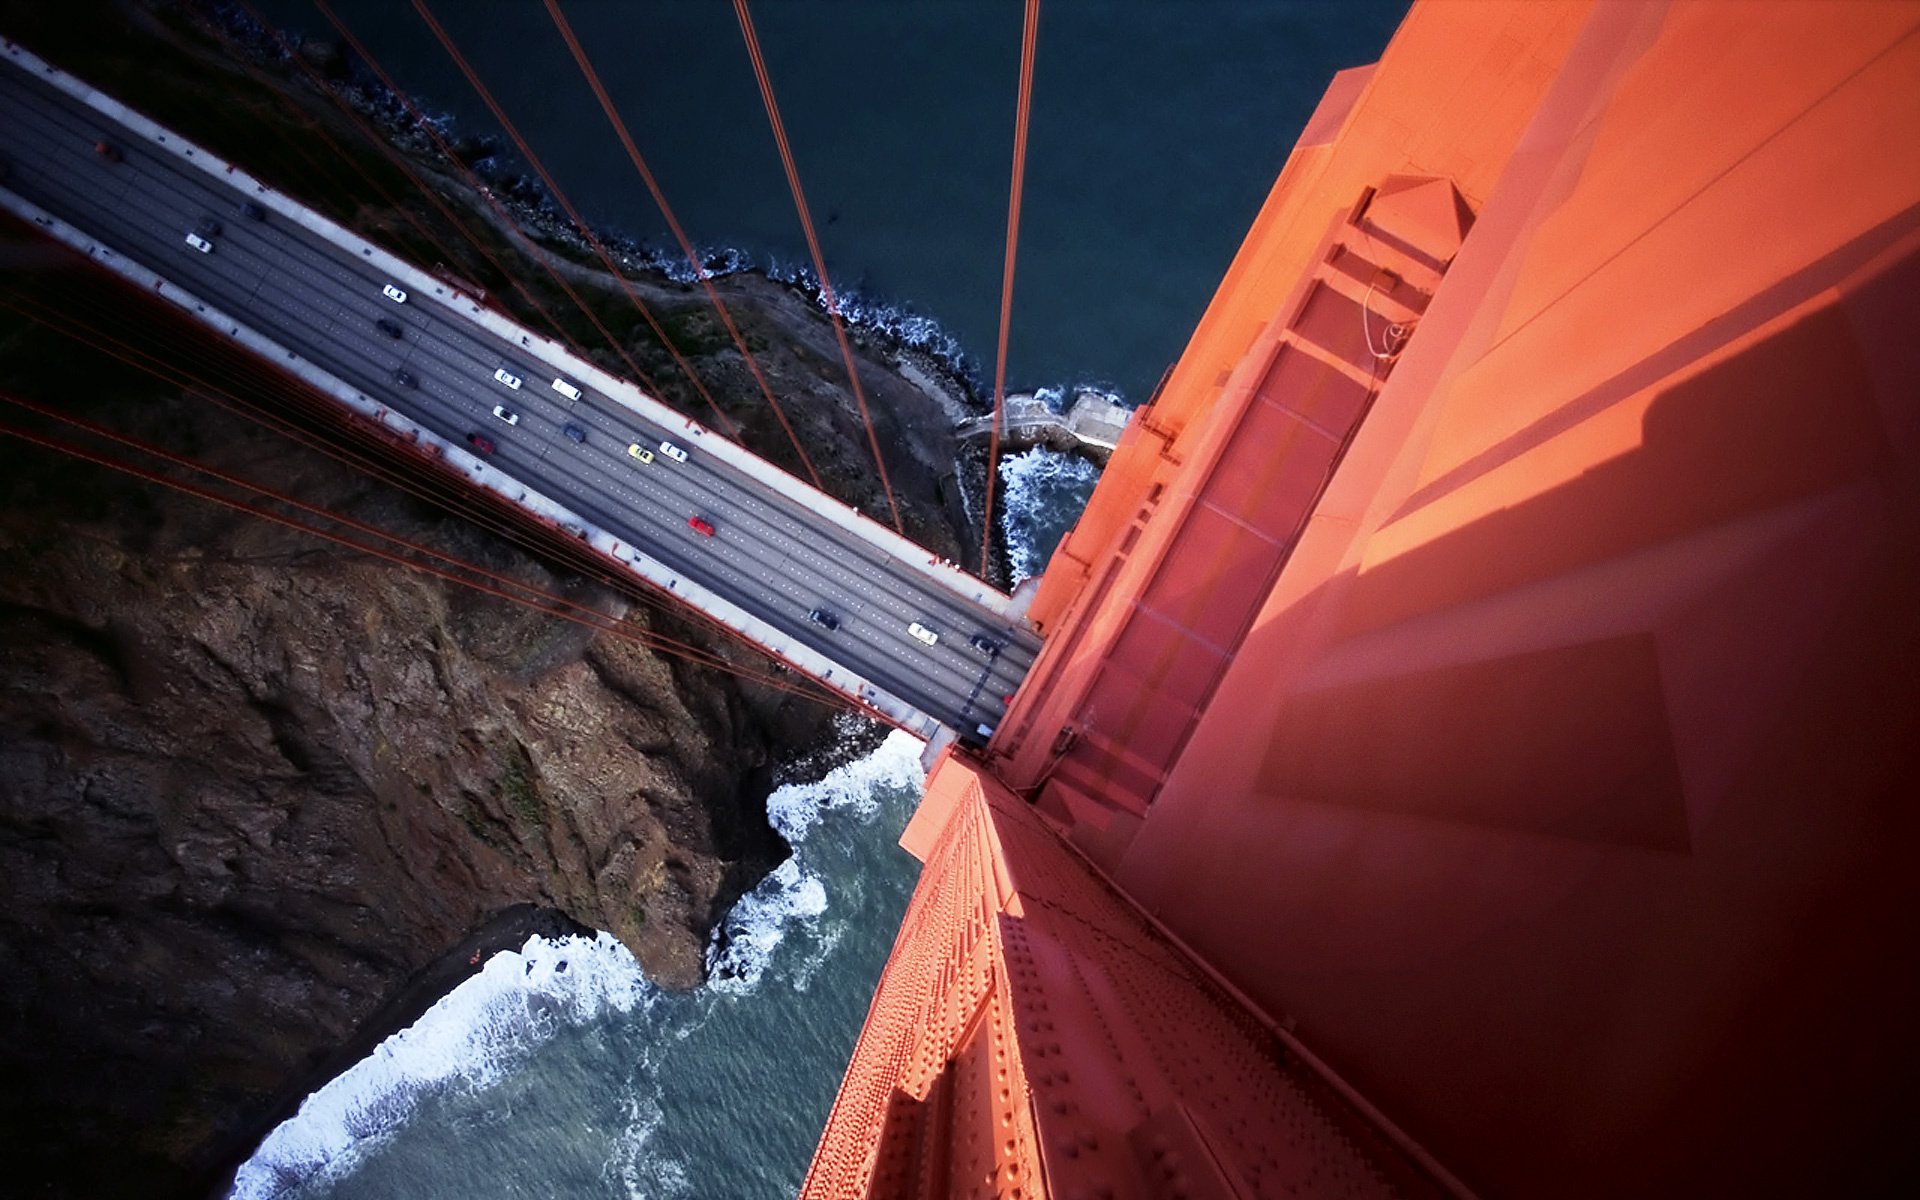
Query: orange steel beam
point(1491, 661)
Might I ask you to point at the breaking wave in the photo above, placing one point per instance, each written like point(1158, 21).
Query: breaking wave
point(742, 948)
point(793, 897)
point(489, 1026)
point(890, 318)
point(473, 1037)
point(1045, 492)
point(795, 810)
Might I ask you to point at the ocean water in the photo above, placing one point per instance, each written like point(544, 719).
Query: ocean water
point(1045, 491)
point(1158, 127)
point(559, 1070)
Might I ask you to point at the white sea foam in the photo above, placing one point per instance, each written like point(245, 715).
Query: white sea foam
point(793, 897)
point(897, 321)
point(794, 810)
point(1045, 491)
point(742, 948)
point(471, 1038)
point(827, 941)
point(485, 1028)
point(645, 1172)
point(715, 261)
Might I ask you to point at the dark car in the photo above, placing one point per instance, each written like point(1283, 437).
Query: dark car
point(208, 227)
point(389, 327)
point(108, 151)
point(823, 618)
point(252, 211)
point(575, 433)
point(481, 442)
point(984, 644)
point(701, 526)
point(405, 378)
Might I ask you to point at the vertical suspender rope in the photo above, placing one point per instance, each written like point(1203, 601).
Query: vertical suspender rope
point(1021, 111)
point(507, 222)
point(586, 231)
point(495, 584)
point(680, 235)
point(400, 162)
point(813, 245)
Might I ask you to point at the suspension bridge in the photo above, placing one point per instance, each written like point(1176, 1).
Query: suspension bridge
point(523, 420)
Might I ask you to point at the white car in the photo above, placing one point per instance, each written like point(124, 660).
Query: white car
point(673, 452)
point(508, 377)
point(393, 293)
point(566, 389)
point(506, 414)
point(922, 633)
point(199, 243)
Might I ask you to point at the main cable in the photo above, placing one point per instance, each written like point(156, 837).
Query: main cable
point(813, 247)
point(1022, 110)
point(593, 240)
point(680, 235)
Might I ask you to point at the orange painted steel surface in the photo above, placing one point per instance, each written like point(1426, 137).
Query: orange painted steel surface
point(1495, 655)
point(1033, 1028)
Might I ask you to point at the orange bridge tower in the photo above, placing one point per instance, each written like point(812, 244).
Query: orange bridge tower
point(1475, 746)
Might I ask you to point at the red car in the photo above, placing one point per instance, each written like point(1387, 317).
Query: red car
point(483, 444)
point(701, 526)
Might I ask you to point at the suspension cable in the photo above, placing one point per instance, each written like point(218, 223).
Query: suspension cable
point(1022, 110)
point(400, 161)
point(680, 235)
point(458, 500)
point(648, 638)
point(586, 231)
point(507, 222)
point(697, 655)
point(349, 454)
point(813, 246)
point(480, 516)
point(258, 510)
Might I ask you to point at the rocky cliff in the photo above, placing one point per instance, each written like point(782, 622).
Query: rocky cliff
point(264, 798)
point(253, 786)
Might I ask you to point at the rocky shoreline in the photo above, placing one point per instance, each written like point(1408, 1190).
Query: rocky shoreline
point(890, 345)
point(263, 800)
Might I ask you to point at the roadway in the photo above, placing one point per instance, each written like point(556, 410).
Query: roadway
point(771, 554)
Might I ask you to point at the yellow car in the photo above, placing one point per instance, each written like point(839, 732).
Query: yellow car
point(639, 453)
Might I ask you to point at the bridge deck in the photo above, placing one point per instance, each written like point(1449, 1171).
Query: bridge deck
point(305, 294)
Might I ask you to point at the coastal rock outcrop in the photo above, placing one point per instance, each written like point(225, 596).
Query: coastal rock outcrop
point(261, 796)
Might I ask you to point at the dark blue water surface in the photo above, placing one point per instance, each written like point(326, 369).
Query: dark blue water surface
point(1158, 127)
